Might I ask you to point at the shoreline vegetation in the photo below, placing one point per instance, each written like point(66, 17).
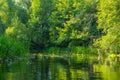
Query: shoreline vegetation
point(59, 39)
point(85, 54)
point(59, 27)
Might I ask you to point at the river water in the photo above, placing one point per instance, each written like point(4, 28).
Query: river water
point(46, 68)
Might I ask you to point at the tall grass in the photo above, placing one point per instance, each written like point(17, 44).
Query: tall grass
point(72, 50)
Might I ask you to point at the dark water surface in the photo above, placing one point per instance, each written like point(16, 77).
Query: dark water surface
point(58, 69)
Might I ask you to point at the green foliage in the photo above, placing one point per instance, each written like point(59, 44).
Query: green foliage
point(53, 50)
point(41, 24)
point(72, 50)
point(109, 22)
point(14, 21)
point(7, 11)
point(18, 31)
point(73, 19)
point(2, 27)
point(83, 50)
point(11, 48)
point(80, 58)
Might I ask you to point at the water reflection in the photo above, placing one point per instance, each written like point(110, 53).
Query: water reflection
point(58, 69)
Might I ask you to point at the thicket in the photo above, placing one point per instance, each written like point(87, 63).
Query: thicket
point(11, 48)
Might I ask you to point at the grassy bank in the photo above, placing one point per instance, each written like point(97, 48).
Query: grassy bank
point(73, 50)
point(76, 54)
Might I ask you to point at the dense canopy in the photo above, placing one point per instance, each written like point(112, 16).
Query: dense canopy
point(41, 24)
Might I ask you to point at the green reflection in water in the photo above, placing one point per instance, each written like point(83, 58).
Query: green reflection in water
point(47, 68)
point(108, 72)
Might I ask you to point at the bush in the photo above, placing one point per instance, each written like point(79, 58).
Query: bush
point(52, 50)
point(10, 48)
point(83, 50)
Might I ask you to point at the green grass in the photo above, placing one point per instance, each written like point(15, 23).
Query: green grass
point(73, 50)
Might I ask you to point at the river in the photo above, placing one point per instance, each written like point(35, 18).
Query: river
point(57, 68)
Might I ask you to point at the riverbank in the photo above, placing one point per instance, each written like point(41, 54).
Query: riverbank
point(70, 50)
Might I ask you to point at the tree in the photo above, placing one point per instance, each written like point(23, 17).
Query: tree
point(73, 20)
point(6, 11)
point(109, 21)
point(39, 23)
point(2, 27)
point(13, 21)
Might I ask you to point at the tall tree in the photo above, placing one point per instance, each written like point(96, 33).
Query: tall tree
point(74, 20)
point(109, 21)
point(13, 20)
point(39, 22)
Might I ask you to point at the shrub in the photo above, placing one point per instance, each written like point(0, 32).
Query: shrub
point(11, 48)
point(83, 50)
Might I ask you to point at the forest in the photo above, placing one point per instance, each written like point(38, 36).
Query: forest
point(59, 26)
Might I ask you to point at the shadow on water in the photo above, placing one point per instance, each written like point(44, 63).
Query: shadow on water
point(46, 68)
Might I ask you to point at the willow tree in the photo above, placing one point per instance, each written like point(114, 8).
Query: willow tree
point(109, 22)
